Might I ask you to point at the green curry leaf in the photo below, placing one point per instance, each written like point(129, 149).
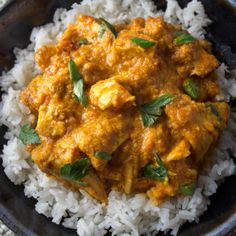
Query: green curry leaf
point(74, 72)
point(188, 189)
point(106, 25)
point(103, 155)
point(148, 119)
point(28, 135)
point(83, 41)
point(83, 184)
point(159, 172)
point(191, 88)
point(213, 108)
point(101, 31)
point(77, 78)
point(75, 171)
point(143, 43)
point(151, 111)
point(79, 92)
point(182, 37)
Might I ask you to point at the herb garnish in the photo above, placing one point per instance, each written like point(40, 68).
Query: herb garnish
point(213, 109)
point(76, 171)
point(83, 41)
point(143, 43)
point(188, 189)
point(83, 184)
point(79, 92)
point(182, 37)
point(106, 25)
point(77, 78)
point(103, 155)
point(28, 135)
point(74, 72)
point(101, 31)
point(191, 88)
point(151, 111)
point(156, 172)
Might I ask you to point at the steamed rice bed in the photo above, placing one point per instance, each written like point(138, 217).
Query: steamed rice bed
point(130, 214)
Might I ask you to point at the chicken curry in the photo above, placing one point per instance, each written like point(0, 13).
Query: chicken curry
point(130, 107)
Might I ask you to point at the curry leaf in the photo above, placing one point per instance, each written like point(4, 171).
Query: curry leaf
point(103, 155)
point(191, 88)
point(156, 172)
point(28, 135)
point(182, 37)
point(148, 119)
point(65, 170)
point(79, 92)
point(74, 72)
point(213, 109)
point(83, 41)
point(158, 160)
point(151, 111)
point(101, 31)
point(188, 189)
point(160, 101)
point(83, 184)
point(143, 43)
point(77, 78)
point(75, 171)
point(106, 25)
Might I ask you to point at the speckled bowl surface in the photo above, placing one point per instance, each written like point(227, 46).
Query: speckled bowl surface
point(16, 23)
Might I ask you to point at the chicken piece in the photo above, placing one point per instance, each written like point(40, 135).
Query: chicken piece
point(160, 192)
point(162, 32)
point(196, 123)
point(110, 94)
point(208, 89)
point(44, 54)
point(106, 133)
point(54, 118)
point(93, 73)
point(112, 173)
point(85, 27)
point(179, 172)
point(128, 176)
point(42, 155)
point(70, 39)
point(51, 156)
point(51, 59)
point(193, 59)
point(200, 141)
point(41, 88)
point(51, 119)
point(33, 96)
point(93, 186)
point(139, 63)
point(154, 139)
point(137, 24)
point(126, 161)
point(221, 110)
point(180, 151)
point(142, 184)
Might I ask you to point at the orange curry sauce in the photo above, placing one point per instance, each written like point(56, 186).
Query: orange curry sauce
point(119, 77)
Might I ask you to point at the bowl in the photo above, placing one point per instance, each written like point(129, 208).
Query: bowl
point(16, 23)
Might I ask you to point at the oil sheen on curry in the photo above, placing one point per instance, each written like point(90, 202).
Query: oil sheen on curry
point(127, 107)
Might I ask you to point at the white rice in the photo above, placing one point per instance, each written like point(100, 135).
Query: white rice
point(3, 3)
point(125, 215)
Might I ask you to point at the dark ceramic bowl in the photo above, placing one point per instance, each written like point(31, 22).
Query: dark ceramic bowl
point(16, 23)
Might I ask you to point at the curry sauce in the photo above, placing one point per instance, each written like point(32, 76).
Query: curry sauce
point(129, 107)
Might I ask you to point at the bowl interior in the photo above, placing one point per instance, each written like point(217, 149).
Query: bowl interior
point(15, 26)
